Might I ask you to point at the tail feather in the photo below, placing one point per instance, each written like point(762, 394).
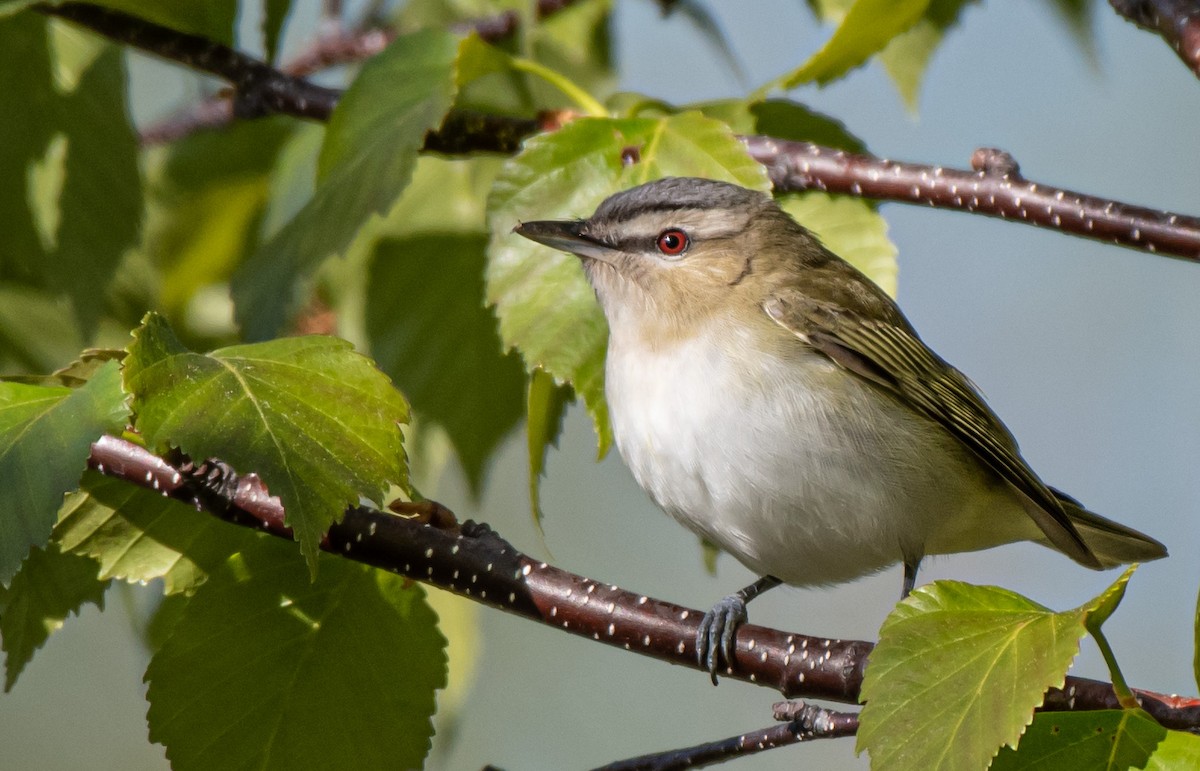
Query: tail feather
point(1111, 542)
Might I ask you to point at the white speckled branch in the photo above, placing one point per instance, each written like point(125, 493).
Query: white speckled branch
point(475, 562)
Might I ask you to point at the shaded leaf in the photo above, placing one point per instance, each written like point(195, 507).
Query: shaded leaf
point(851, 229)
point(49, 587)
point(867, 28)
point(1080, 18)
point(137, 535)
point(546, 308)
point(430, 331)
point(207, 198)
point(1107, 740)
point(37, 333)
point(46, 434)
point(275, 13)
point(70, 188)
point(315, 419)
point(212, 19)
point(546, 404)
point(959, 670)
point(269, 670)
point(367, 159)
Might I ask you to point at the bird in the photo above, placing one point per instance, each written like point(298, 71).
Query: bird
point(776, 402)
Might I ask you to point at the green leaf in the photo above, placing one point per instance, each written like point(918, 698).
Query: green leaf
point(868, 27)
point(1196, 644)
point(367, 160)
point(49, 587)
point(1177, 750)
point(906, 58)
point(70, 188)
point(137, 535)
point(782, 119)
point(546, 308)
point(545, 404)
point(208, 196)
point(430, 331)
point(268, 670)
point(959, 670)
point(212, 19)
point(1112, 740)
point(275, 13)
point(1080, 18)
point(37, 333)
point(46, 436)
point(315, 419)
point(851, 229)
point(8, 7)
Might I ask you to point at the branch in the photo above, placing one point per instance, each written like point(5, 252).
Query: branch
point(475, 562)
point(259, 89)
point(994, 188)
point(1176, 21)
point(805, 723)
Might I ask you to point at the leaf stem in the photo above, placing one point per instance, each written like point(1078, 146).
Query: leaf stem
point(1120, 687)
point(572, 90)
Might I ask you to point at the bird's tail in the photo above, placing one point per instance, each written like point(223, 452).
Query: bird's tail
point(1111, 542)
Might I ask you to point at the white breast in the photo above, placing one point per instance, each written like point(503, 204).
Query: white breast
point(745, 450)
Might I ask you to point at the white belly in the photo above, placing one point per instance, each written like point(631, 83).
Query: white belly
point(767, 473)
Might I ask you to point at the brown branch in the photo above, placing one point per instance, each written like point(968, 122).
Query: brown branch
point(329, 50)
point(259, 89)
point(473, 561)
point(1176, 21)
point(994, 188)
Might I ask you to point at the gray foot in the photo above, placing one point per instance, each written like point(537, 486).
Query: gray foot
point(715, 638)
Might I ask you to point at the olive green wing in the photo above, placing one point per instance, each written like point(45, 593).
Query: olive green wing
point(884, 349)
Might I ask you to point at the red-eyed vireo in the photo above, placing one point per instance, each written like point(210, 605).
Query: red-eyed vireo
point(775, 401)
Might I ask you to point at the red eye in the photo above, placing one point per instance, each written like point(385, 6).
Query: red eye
point(672, 242)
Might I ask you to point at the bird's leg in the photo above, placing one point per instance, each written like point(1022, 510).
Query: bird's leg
point(910, 576)
point(715, 638)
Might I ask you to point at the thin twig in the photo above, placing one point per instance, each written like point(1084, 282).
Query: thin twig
point(806, 722)
point(331, 48)
point(1176, 21)
point(473, 561)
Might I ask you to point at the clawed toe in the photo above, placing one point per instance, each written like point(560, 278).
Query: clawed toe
point(718, 629)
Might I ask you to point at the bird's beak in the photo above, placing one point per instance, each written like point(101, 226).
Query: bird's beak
point(568, 236)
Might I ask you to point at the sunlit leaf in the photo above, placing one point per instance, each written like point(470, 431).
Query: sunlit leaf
point(315, 419)
point(867, 28)
point(137, 535)
point(906, 58)
point(959, 670)
point(1107, 740)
